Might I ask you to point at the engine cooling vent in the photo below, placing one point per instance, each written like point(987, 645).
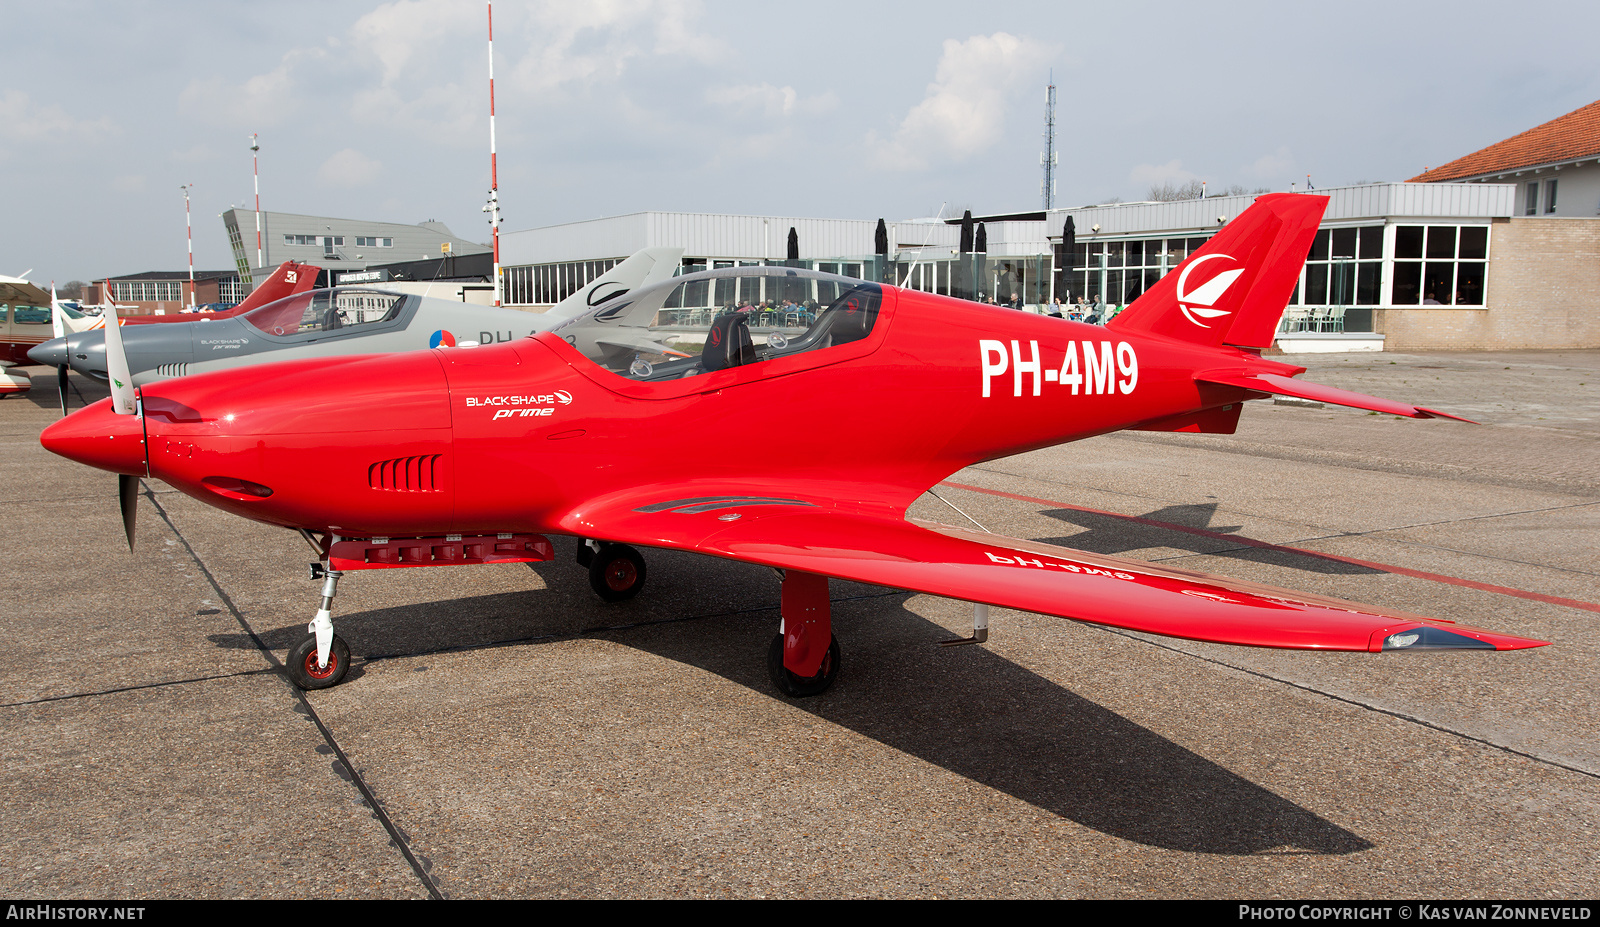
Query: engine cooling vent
point(172, 370)
point(406, 474)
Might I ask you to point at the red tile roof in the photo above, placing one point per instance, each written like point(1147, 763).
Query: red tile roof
point(1575, 135)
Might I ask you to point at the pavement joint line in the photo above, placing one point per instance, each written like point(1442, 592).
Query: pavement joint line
point(149, 685)
point(401, 842)
point(1357, 703)
point(1265, 545)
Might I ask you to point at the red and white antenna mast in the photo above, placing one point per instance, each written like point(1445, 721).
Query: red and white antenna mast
point(493, 206)
point(188, 229)
point(255, 170)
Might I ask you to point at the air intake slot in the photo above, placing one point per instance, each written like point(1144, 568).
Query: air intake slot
point(406, 474)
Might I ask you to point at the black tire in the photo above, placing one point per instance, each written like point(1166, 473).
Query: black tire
point(794, 686)
point(616, 572)
point(303, 669)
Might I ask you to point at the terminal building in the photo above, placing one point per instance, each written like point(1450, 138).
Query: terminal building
point(334, 244)
point(542, 266)
point(159, 292)
point(1495, 250)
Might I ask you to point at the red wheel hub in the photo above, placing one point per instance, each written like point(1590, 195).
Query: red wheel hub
point(321, 672)
point(620, 575)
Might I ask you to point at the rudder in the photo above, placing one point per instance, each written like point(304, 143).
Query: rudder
point(1234, 289)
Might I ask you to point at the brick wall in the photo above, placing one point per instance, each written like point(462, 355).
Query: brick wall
point(1542, 288)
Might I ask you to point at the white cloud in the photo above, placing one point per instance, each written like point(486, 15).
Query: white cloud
point(580, 43)
point(26, 121)
point(348, 168)
point(1272, 166)
point(769, 101)
point(261, 101)
point(964, 111)
point(1156, 174)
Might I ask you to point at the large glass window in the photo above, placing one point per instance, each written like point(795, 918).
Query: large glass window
point(676, 330)
point(1440, 265)
point(1119, 272)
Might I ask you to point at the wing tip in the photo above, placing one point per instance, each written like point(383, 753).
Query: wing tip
point(1435, 413)
point(1432, 637)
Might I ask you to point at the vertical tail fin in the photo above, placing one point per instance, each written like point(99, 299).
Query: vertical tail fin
point(290, 278)
point(1234, 289)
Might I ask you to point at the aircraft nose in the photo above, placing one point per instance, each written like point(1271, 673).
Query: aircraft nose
point(52, 353)
point(101, 438)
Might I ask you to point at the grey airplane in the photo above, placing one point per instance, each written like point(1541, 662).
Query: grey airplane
point(337, 321)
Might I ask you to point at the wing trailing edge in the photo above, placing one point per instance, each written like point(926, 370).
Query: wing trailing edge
point(960, 564)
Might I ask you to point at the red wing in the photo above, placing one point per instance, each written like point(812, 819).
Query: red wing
point(798, 534)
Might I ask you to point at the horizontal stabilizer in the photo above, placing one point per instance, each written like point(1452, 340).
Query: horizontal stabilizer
point(1316, 392)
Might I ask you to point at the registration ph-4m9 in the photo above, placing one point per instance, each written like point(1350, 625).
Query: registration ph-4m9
point(1104, 369)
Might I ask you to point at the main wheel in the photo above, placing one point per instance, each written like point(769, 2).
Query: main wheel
point(304, 671)
point(795, 686)
point(616, 573)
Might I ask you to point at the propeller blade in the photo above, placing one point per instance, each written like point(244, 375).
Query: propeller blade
point(128, 498)
point(61, 385)
point(58, 325)
point(122, 397)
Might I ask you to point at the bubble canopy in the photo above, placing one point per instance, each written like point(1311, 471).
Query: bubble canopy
point(325, 310)
point(704, 322)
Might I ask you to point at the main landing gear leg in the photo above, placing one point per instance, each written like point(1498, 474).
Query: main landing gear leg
point(322, 659)
point(804, 658)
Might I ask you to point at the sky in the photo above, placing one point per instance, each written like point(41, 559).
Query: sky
point(379, 111)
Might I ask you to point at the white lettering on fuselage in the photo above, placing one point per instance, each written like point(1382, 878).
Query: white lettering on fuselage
point(559, 397)
point(1106, 370)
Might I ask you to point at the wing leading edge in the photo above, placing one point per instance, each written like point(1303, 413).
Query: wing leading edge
point(956, 563)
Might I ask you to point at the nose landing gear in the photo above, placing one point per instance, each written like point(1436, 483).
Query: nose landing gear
point(323, 659)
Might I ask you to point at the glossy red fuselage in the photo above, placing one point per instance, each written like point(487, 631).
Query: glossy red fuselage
point(524, 436)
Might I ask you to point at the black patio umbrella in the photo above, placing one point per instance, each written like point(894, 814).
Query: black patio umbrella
point(794, 245)
point(966, 232)
point(880, 239)
point(981, 243)
point(1064, 257)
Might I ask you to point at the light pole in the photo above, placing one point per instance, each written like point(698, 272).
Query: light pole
point(188, 229)
point(493, 206)
point(255, 170)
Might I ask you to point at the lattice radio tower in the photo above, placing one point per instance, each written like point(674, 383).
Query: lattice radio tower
point(1047, 186)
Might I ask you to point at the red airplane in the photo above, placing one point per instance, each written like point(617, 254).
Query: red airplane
point(656, 420)
point(290, 278)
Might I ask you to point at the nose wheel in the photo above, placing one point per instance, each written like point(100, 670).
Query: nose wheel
point(323, 659)
point(616, 572)
point(307, 673)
